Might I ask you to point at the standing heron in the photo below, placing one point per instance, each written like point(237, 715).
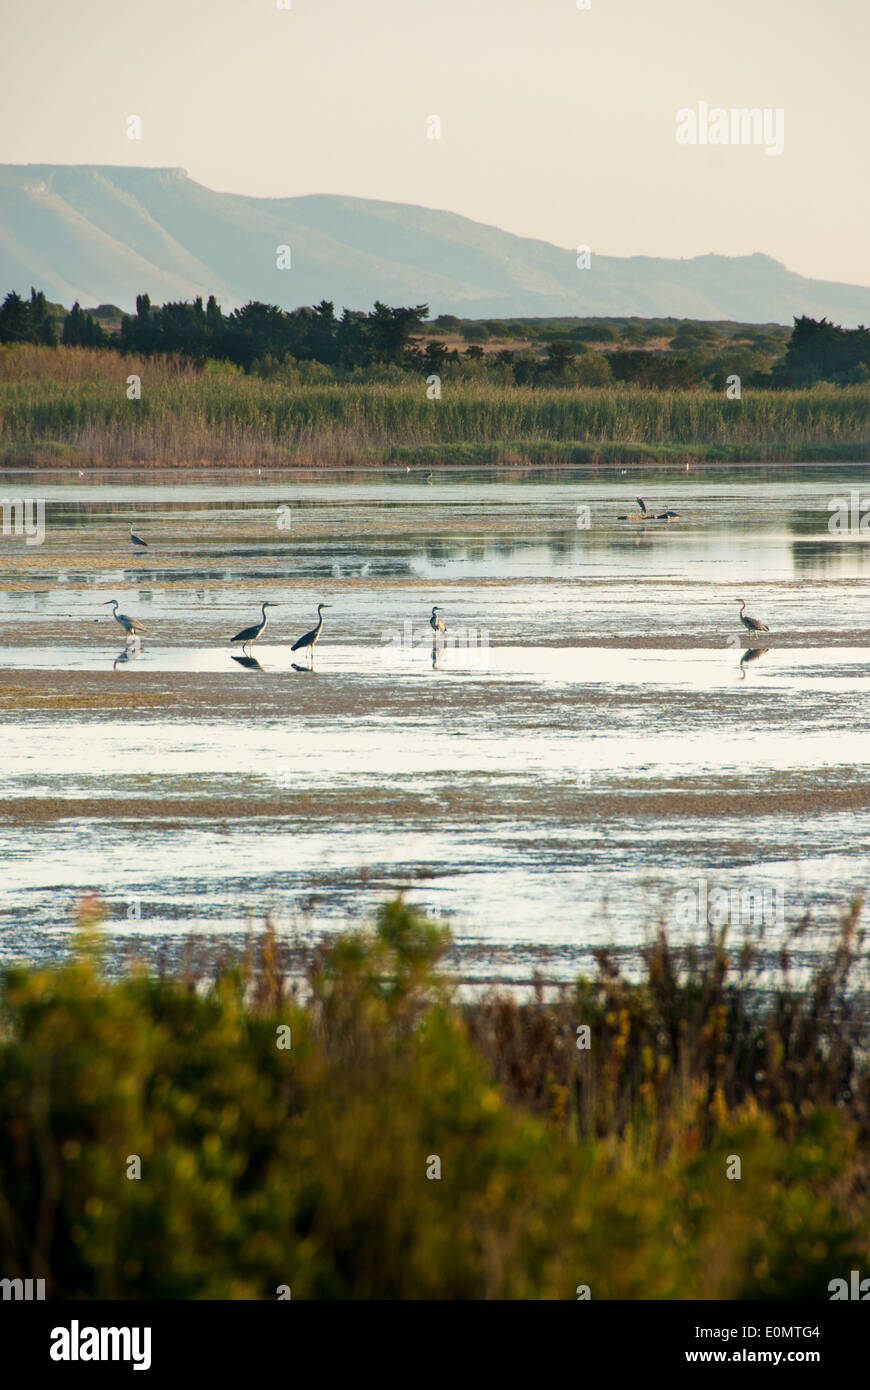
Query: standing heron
point(308, 639)
point(437, 624)
point(131, 626)
point(137, 540)
point(427, 478)
point(751, 624)
point(250, 634)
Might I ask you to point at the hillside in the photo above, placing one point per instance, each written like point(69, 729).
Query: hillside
point(105, 233)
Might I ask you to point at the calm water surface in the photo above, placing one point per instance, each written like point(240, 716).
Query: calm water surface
point(593, 742)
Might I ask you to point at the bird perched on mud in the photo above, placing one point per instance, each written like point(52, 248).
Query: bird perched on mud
point(437, 623)
point(131, 626)
point(642, 515)
point(250, 634)
point(137, 540)
point(308, 639)
point(751, 624)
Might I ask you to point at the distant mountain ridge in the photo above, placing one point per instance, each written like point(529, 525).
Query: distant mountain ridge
point(104, 233)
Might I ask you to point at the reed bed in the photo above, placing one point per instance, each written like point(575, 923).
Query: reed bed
point(75, 401)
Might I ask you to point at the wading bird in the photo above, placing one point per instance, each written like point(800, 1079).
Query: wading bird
point(130, 625)
point(250, 634)
point(666, 516)
point(308, 639)
point(437, 624)
point(642, 515)
point(751, 624)
point(427, 478)
point(137, 540)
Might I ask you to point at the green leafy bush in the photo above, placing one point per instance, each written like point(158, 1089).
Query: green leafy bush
point(313, 1165)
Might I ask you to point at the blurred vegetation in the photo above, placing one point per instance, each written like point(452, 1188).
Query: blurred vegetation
point(306, 1165)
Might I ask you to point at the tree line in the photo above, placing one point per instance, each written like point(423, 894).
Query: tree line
point(261, 337)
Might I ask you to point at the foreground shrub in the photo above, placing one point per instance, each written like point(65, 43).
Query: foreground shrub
point(315, 1166)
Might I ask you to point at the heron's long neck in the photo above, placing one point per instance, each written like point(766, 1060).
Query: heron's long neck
point(263, 611)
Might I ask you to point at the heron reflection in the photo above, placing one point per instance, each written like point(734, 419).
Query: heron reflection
point(751, 654)
point(129, 653)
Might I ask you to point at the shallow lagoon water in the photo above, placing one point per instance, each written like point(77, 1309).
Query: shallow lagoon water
point(594, 741)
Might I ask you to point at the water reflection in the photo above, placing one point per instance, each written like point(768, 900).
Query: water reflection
point(526, 861)
point(751, 654)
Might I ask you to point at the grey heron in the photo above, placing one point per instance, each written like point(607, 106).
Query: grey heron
point(308, 639)
point(130, 625)
point(250, 634)
point(752, 624)
point(437, 624)
point(640, 502)
point(137, 540)
point(666, 516)
point(427, 478)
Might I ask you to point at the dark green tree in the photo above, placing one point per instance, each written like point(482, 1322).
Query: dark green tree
point(390, 330)
point(14, 320)
point(559, 356)
point(434, 357)
point(26, 321)
point(42, 328)
point(81, 330)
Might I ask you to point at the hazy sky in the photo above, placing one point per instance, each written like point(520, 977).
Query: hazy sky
point(556, 122)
